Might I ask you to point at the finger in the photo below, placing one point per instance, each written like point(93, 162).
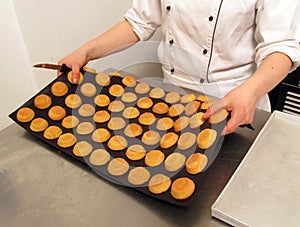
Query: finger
point(75, 74)
point(214, 108)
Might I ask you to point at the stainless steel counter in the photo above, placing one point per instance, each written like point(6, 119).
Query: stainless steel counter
point(40, 187)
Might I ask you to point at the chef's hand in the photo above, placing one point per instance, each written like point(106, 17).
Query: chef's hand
point(240, 103)
point(75, 61)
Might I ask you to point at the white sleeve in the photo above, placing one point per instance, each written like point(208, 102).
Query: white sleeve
point(278, 29)
point(144, 17)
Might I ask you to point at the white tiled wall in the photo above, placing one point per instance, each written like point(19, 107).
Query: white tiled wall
point(36, 31)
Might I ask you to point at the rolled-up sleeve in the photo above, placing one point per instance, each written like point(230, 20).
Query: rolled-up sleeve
point(144, 17)
point(278, 30)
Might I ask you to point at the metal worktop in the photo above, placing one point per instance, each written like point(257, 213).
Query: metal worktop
point(41, 187)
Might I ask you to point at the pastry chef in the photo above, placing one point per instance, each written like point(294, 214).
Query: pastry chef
point(235, 50)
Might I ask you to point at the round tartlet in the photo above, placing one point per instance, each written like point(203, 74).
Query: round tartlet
point(186, 140)
point(151, 137)
point(118, 166)
point(172, 97)
point(117, 143)
point(159, 184)
point(135, 152)
point(138, 176)
point(192, 107)
point(174, 162)
point(42, 101)
point(168, 140)
point(116, 90)
point(188, 98)
point(73, 101)
point(70, 75)
point(176, 110)
point(160, 108)
point(101, 135)
point(129, 81)
point(181, 123)
point(86, 110)
point(99, 157)
point(182, 188)
point(25, 114)
point(147, 118)
point(82, 149)
point(70, 122)
point(131, 113)
point(157, 93)
point(85, 128)
point(133, 130)
point(102, 100)
point(102, 79)
point(129, 97)
point(218, 117)
point(116, 123)
point(206, 138)
point(38, 124)
point(145, 103)
point(164, 123)
point(52, 132)
point(116, 106)
point(57, 113)
point(197, 120)
point(59, 89)
point(66, 140)
point(88, 89)
point(196, 163)
point(101, 116)
point(154, 158)
point(142, 88)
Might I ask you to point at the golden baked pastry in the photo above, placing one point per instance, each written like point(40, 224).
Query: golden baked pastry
point(186, 140)
point(157, 93)
point(85, 128)
point(138, 176)
point(168, 140)
point(59, 89)
point(118, 166)
point(116, 106)
point(188, 98)
point(182, 188)
point(129, 97)
point(131, 112)
point(206, 138)
point(102, 100)
point(181, 123)
point(101, 116)
point(86, 110)
point(101, 135)
point(117, 143)
point(102, 79)
point(218, 117)
point(174, 162)
point(129, 81)
point(203, 98)
point(25, 114)
point(38, 124)
point(73, 101)
point(147, 118)
point(196, 163)
point(142, 88)
point(176, 110)
point(116, 74)
point(159, 184)
point(70, 122)
point(135, 152)
point(71, 80)
point(197, 120)
point(145, 103)
point(42, 101)
point(151, 137)
point(172, 97)
point(116, 90)
point(88, 69)
point(99, 157)
point(116, 123)
point(57, 113)
point(164, 123)
point(52, 132)
point(88, 89)
point(133, 130)
point(160, 108)
point(66, 140)
point(154, 158)
point(192, 107)
point(82, 149)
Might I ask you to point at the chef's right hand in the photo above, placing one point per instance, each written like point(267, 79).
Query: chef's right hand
point(75, 61)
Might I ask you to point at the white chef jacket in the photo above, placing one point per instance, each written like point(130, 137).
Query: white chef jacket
point(212, 46)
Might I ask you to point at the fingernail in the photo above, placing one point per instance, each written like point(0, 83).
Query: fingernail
point(75, 80)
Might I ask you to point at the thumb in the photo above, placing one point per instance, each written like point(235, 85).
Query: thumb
point(214, 108)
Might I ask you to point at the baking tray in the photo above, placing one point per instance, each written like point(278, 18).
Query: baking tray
point(211, 152)
point(265, 189)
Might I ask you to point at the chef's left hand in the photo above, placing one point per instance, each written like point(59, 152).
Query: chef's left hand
point(241, 104)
